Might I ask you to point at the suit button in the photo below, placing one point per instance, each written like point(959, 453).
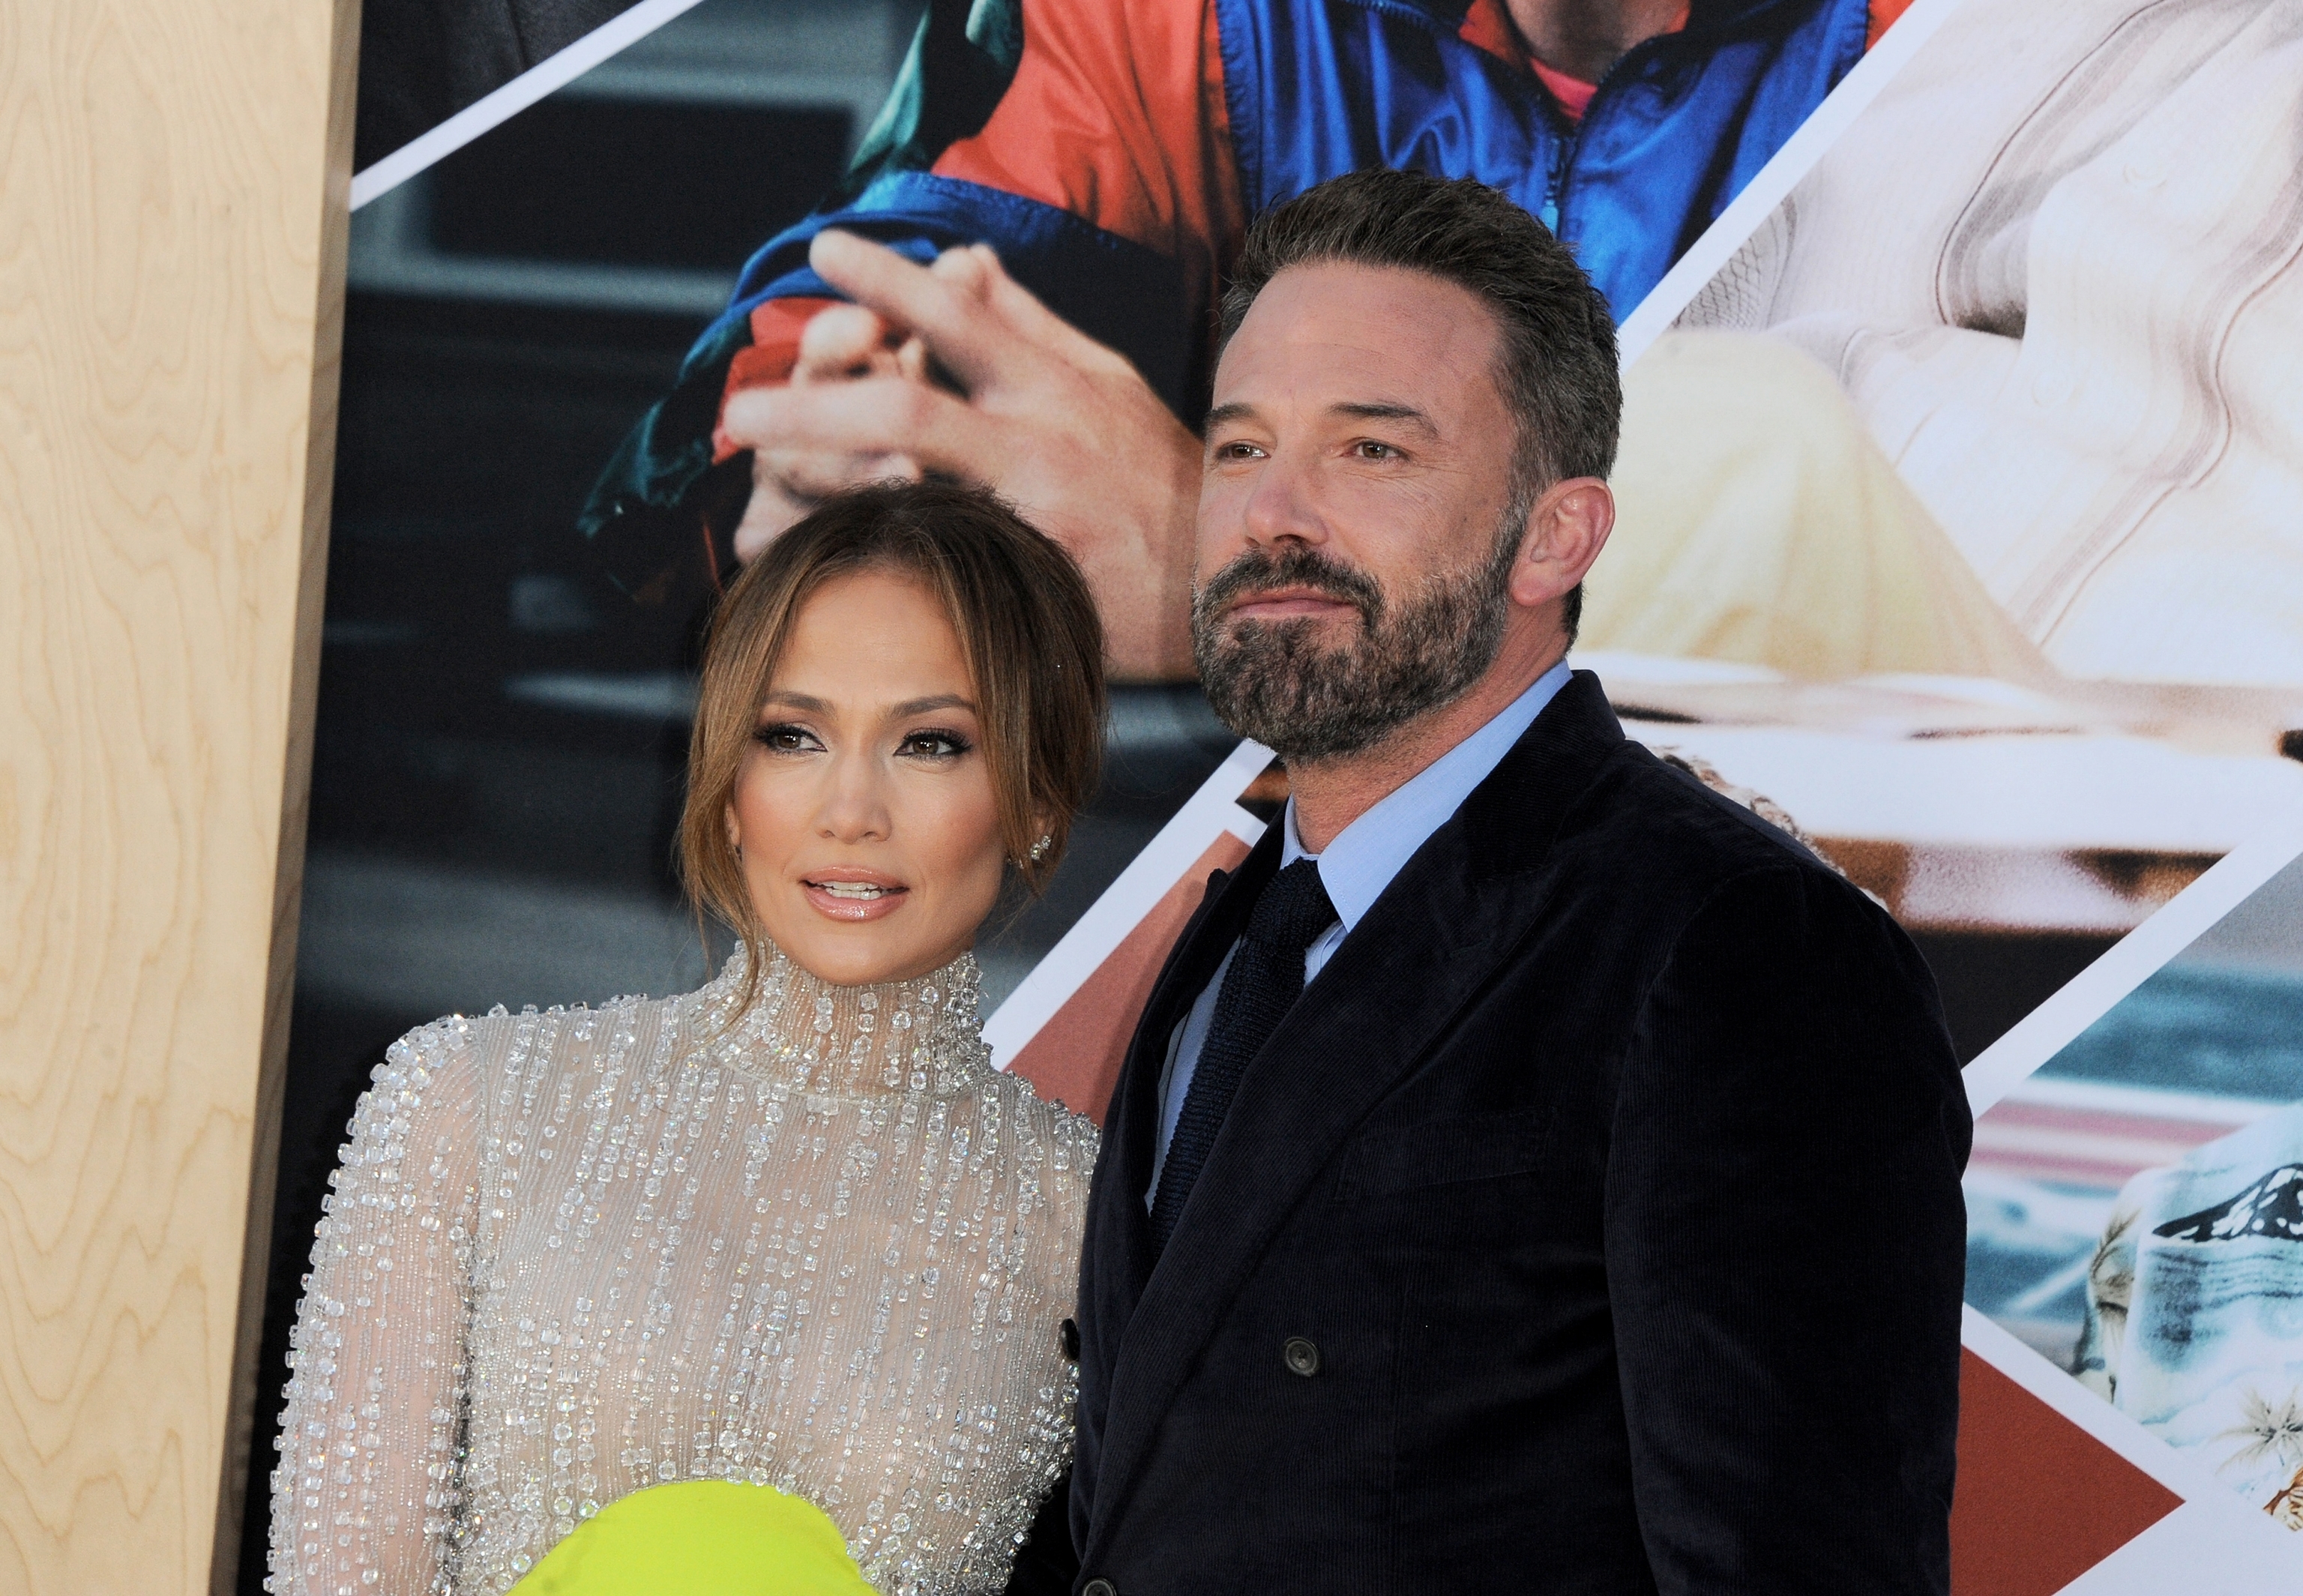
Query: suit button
point(1302, 1357)
point(1067, 1332)
point(1098, 1587)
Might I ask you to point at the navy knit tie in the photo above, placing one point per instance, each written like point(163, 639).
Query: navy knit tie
point(1261, 985)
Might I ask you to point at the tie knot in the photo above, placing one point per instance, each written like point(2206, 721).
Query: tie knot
point(1293, 910)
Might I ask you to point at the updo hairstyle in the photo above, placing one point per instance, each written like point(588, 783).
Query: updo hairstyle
point(1028, 627)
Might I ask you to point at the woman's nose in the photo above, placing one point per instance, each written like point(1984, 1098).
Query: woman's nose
point(853, 806)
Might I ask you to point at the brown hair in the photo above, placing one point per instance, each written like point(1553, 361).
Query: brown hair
point(1028, 627)
point(1555, 352)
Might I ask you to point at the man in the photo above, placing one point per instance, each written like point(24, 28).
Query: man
point(1531, 1171)
point(1110, 151)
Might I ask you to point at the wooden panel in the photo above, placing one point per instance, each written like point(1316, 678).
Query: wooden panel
point(172, 177)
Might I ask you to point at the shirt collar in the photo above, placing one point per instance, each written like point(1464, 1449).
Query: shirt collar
point(1359, 863)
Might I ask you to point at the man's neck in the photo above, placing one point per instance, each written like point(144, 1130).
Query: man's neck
point(1585, 38)
point(1329, 794)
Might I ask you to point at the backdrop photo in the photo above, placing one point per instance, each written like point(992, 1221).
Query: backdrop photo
point(1959, 516)
point(2134, 1203)
point(1959, 504)
point(1957, 527)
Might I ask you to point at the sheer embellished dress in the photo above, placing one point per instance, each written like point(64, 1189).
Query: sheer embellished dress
point(572, 1255)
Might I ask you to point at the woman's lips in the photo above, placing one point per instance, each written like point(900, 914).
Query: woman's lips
point(853, 900)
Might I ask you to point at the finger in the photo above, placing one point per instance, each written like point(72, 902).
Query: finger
point(807, 474)
point(810, 478)
point(842, 340)
point(962, 267)
point(960, 329)
point(1028, 318)
point(872, 415)
point(912, 359)
point(767, 514)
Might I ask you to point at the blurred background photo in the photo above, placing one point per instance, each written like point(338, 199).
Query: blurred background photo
point(1960, 510)
point(502, 734)
point(2133, 1206)
point(1971, 551)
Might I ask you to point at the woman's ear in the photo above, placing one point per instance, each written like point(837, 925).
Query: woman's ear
point(735, 833)
point(1044, 829)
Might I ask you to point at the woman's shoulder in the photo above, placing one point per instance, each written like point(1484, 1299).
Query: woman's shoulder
point(530, 1044)
point(1070, 1140)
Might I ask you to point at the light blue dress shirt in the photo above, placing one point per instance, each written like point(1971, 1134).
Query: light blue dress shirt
point(1358, 865)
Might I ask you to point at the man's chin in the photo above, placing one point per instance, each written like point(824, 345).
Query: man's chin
point(1332, 634)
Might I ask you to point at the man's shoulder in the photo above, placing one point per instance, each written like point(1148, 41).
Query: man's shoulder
point(1650, 865)
point(1655, 825)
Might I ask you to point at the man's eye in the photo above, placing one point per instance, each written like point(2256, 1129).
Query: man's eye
point(785, 739)
point(1369, 449)
point(1238, 450)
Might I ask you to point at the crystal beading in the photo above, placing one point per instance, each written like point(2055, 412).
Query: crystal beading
point(820, 1244)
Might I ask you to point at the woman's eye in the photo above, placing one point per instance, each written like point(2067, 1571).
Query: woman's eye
point(785, 739)
point(935, 745)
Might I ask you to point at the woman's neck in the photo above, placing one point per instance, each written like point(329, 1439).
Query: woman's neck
point(886, 1040)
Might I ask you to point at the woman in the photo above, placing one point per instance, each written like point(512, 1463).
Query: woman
point(790, 1229)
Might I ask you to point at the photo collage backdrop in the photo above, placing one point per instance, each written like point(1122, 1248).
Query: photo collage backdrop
point(1961, 529)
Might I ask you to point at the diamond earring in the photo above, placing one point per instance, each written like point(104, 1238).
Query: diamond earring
point(1040, 849)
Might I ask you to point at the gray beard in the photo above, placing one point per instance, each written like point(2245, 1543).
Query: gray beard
point(1273, 680)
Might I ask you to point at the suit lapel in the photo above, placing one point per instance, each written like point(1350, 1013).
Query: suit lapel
point(1436, 936)
point(1119, 1246)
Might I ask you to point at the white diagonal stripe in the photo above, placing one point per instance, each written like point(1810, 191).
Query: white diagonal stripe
point(504, 104)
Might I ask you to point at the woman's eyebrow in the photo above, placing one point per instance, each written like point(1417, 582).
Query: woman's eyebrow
point(798, 701)
point(920, 707)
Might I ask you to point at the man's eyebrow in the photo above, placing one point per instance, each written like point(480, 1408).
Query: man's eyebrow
point(1357, 409)
point(1370, 410)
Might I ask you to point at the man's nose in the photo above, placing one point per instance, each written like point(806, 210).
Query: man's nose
point(1281, 505)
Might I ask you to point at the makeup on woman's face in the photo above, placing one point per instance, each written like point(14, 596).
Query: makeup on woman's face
point(864, 810)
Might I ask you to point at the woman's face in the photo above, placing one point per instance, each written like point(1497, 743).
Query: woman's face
point(864, 812)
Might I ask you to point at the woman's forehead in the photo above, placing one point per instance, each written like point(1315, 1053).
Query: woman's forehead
point(874, 640)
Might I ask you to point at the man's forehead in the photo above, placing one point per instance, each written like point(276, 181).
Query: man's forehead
point(1336, 334)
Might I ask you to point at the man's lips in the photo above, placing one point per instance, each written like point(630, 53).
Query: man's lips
point(844, 892)
point(1288, 604)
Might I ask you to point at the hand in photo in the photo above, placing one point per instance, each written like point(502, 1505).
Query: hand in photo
point(1049, 418)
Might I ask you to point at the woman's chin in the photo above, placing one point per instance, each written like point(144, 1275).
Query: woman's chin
point(867, 953)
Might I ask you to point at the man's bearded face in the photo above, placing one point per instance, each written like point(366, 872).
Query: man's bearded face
point(1308, 696)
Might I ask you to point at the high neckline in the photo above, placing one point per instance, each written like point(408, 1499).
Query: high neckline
point(890, 1039)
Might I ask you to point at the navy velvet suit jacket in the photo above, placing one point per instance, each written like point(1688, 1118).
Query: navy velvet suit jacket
point(1611, 1170)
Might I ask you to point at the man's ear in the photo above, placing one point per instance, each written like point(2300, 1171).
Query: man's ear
point(1565, 531)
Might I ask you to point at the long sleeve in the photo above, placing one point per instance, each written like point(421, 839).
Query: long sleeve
point(1786, 1242)
point(365, 1494)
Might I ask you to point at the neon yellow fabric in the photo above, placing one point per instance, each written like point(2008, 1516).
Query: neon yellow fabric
point(700, 1537)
